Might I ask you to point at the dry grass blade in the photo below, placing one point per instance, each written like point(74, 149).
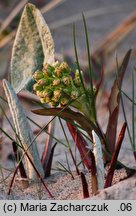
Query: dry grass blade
point(7, 39)
point(4, 41)
point(12, 15)
point(110, 42)
point(88, 14)
point(51, 5)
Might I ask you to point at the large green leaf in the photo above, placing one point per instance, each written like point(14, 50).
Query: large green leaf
point(32, 48)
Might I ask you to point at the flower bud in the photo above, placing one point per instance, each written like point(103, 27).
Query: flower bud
point(77, 73)
point(66, 80)
point(37, 87)
point(94, 89)
point(64, 101)
point(74, 94)
point(46, 93)
point(57, 95)
point(56, 82)
point(43, 82)
point(64, 67)
point(58, 72)
point(45, 100)
point(39, 93)
point(77, 82)
point(53, 104)
point(38, 75)
point(46, 73)
point(56, 64)
point(48, 70)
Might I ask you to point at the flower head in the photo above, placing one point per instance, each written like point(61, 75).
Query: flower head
point(55, 86)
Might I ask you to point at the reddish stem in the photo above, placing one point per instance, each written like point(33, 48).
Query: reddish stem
point(82, 145)
point(84, 186)
point(114, 157)
point(17, 157)
point(134, 155)
point(87, 155)
point(49, 164)
point(48, 147)
point(12, 180)
point(38, 174)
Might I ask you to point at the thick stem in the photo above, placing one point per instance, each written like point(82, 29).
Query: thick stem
point(48, 146)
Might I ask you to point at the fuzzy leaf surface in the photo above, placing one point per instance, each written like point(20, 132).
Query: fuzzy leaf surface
point(23, 131)
point(33, 47)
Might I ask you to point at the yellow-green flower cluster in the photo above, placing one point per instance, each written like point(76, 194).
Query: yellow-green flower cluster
point(55, 85)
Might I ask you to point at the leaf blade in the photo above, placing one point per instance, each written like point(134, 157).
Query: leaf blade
point(114, 102)
point(33, 46)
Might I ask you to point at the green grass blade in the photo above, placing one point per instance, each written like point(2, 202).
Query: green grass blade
point(64, 132)
point(69, 147)
point(90, 67)
point(59, 141)
point(7, 134)
point(77, 60)
point(123, 107)
point(10, 137)
point(7, 118)
point(69, 165)
point(64, 168)
point(33, 123)
point(128, 98)
point(3, 99)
